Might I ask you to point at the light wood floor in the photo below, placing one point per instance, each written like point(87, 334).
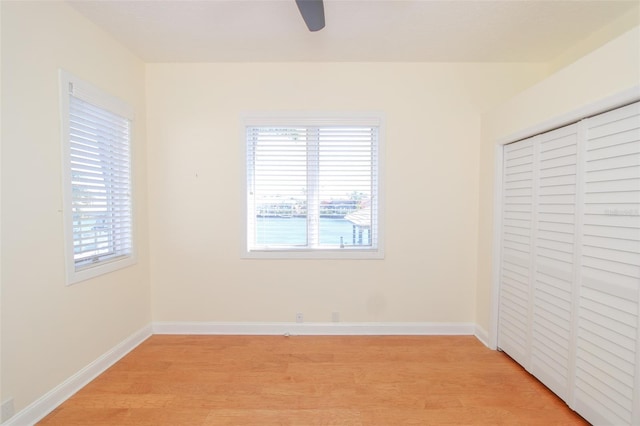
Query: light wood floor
point(311, 380)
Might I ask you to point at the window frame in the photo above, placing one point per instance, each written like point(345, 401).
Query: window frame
point(313, 120)
point(87, 92)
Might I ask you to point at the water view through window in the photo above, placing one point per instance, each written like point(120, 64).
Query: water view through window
point(274, 231)
point(312, 187)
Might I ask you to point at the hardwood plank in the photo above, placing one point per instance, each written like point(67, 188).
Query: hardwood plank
point(313, 380)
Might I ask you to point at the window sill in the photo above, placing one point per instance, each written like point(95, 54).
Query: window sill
point(105, 267)
point(334, 254)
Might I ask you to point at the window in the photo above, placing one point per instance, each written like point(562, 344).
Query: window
point(313, 188)
point(96, 134)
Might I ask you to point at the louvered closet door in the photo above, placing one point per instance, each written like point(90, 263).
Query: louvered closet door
point(515, 285)
point(553, 275)
point(607, 354)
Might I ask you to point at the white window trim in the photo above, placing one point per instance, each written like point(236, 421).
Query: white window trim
point(95, 96)
point(313, 119)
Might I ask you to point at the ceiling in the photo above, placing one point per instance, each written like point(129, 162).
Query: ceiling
point(356, 30)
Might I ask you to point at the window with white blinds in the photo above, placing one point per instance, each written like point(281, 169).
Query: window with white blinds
point(313, 188)
point(97, 168)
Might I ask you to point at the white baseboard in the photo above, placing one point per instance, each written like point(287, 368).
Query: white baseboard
point(482, 335)
point(47, 403)
point(315, 328)
point(7, 410)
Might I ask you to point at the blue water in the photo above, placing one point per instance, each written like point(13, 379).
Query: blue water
point(293, 231)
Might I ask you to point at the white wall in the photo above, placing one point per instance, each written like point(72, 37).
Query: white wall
point(49, 330)
point(431, 211)
point(605, 72)
point(597, 39)
point(1, 398)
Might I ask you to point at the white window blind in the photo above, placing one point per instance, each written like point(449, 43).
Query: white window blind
point(98, 203)
point(312, 187)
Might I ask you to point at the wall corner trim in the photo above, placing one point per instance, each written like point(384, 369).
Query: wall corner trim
point(56, 396)
point(316, 328)
point(482, 335)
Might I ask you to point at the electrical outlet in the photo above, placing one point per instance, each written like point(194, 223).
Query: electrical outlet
point(335, 316)
point(299, 317)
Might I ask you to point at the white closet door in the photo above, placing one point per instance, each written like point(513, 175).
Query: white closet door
point(607, 367)
point(515, 286)
point(554, 248)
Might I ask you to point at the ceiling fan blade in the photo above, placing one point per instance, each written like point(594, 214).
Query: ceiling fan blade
point(312, 12)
